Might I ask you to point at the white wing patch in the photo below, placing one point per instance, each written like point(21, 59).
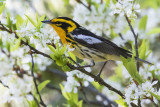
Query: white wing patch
point(88, 39)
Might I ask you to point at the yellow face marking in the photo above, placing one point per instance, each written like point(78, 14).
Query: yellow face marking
point(60, 32)
point(70, 28)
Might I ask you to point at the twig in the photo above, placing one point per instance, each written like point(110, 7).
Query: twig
point(35, 99)
point(139, 102)
point(135, 38)
point(121, 36)
point(88, 7)
point(35, 83)
point(3, 84)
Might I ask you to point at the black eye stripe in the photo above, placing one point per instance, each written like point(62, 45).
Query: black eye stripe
point(58, 22)
point(63, 23)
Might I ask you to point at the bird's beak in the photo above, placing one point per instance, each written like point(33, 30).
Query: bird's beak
point(47, 21)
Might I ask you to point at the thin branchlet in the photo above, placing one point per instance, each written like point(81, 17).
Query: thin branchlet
point(35, 83)
point(135, 40)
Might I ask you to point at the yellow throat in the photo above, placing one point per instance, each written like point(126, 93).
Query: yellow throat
point(61, 33)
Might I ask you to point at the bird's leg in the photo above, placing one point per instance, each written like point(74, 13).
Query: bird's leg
point(98, 75)
point(90, 65)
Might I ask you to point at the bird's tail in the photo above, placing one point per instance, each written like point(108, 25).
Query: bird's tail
point(126, 54)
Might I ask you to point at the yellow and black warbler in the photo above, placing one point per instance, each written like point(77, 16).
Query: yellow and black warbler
point(87, 45)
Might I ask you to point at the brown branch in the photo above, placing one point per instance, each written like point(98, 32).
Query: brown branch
point(98, 79)
point(35, 99)
point(135, 39)
point(88, 7)
point(35, 83)
point(3, 84)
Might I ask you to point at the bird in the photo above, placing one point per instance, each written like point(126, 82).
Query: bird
point(87, 45)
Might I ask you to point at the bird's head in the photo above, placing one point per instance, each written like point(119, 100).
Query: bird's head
point(62, 24)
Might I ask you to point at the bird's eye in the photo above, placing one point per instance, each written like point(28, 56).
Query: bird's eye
point(58, 24)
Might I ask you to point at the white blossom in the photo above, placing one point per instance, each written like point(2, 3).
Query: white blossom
point(134, 92)
point(93, 20)
point(74, 79)
point(123, 7)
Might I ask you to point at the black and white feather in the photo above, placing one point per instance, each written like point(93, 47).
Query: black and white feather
point(94, 42)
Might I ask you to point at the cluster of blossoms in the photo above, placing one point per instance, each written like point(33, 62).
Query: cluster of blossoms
point(125, 7)
point(98, 20)
point(16, 89)
point(143, 91)
point(77, 79)
point(16, 62)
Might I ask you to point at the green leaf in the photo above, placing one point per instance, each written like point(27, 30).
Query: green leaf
point(43, 84)
point(121, 102)
point(62, 50)
point(72, 98)
point(31, 20)
point(53, 56)
point(155, 95)
point(107, 3)
point(65, 68)
point(16, 46)
point(20, 20)
point(72, 56)
point(64, 93)
point(142, 50)
point(1, 8)
point(143, 23)
point(57, 46)
point(1, 42)
point(97, 85)
point(154, 31)
point(8, 46)
point(114, 1)
point(52, 48)
point(133, 50)
point(80, 103)
point(39, 23)
point(32, 103)
point(9, 22)
point(66, 2)
point(130, 65)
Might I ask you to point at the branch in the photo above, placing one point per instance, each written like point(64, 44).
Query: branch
point(3, 84)
point(88, 7)
point(98, 79)
point(35, 83)
point(135, 39)
point(35, 99)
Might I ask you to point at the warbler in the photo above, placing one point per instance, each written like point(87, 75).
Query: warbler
point(87, 44)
